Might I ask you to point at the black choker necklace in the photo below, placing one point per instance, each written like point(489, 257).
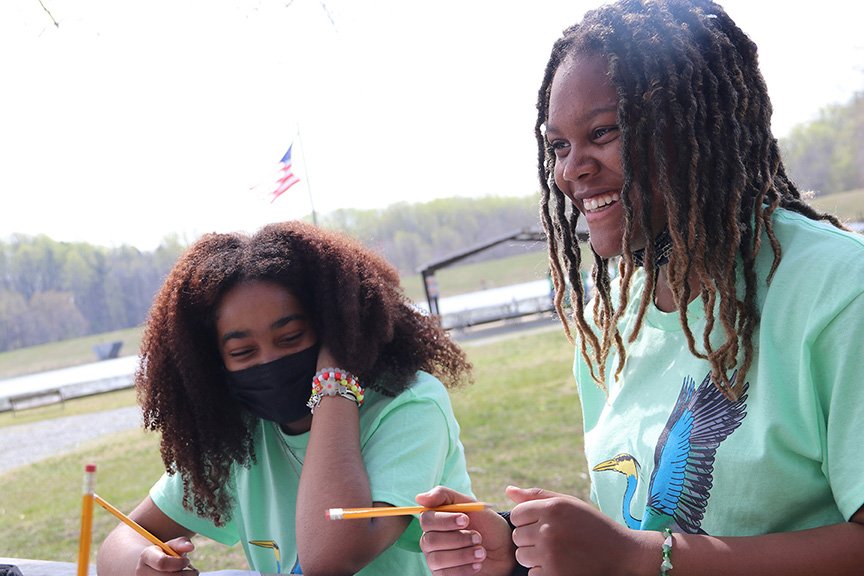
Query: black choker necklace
point(662, 250)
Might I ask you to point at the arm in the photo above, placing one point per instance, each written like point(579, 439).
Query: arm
point(830, 550)
point(124, 551)
point(334, 475)
point(576, 534)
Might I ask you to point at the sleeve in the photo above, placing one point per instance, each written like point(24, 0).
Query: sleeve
point(167, 494)
point(413, 446)
point(838, 374)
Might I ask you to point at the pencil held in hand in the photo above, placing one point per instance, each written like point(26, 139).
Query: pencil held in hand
point(380, 511)
point(135, 526)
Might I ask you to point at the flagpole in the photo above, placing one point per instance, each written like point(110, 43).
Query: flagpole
point(306, 171)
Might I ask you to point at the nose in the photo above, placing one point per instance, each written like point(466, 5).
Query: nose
point(578, 165)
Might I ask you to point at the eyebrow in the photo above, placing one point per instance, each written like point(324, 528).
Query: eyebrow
point(283, 321)
point(589, 116)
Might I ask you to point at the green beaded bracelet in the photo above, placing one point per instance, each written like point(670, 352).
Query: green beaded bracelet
point(666, 565)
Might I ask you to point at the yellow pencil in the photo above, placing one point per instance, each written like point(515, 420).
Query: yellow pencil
point(379, 511)
point(134, 525)
point(86, 521)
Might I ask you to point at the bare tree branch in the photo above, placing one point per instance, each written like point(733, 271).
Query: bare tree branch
point(327, 12)
point(56, 24)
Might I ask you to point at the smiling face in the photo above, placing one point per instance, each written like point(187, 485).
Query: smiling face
point(258, 322)
point(582, 130)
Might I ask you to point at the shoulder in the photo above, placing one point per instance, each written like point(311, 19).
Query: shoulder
point(801, 236)
point(425, 398)
point(814, 252)
point(424, 387)
point(821, 268)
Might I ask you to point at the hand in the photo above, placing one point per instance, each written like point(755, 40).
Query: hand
point(457, 544)
point(326, 359)
point(155, 559)
point(558, 534)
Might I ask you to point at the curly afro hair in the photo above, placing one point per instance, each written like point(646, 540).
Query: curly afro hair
point(354, 300)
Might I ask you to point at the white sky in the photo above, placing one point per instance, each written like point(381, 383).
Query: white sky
point(134, 120)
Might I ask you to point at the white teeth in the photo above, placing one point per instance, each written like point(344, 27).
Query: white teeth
point(600, 201)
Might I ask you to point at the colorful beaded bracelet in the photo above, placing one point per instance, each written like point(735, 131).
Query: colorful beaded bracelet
point(666, 565)
point(335, 382)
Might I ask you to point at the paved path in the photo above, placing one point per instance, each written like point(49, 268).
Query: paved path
point(24, 444)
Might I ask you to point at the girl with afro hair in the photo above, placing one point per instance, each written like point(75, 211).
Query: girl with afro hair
point(287, 374)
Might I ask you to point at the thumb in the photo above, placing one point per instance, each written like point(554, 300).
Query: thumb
point(182, 545)
point(441, 496)
point(519, 495)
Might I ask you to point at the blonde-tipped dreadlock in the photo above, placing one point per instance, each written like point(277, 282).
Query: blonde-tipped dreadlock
point(695, 123)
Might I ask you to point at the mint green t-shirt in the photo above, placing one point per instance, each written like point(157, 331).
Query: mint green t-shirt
point(666, 449)
point(409, 444)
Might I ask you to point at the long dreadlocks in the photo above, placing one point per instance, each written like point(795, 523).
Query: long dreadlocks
point(695, 123)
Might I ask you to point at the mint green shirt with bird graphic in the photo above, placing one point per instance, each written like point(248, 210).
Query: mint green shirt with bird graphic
point(409, 444)
point(666, 449)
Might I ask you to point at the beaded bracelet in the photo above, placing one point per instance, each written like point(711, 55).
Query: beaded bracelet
point(334, 382)
point(666, 565)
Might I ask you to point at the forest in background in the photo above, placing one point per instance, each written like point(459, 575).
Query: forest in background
point(52, 291)
point(827, 155)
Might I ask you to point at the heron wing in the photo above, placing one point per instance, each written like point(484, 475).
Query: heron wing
point(684, 456)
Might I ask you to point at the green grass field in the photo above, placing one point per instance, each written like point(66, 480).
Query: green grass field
point(848, 205)
point(520, 425)
point(71, 352)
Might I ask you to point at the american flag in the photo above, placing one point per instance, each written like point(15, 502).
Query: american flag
point(282, 180)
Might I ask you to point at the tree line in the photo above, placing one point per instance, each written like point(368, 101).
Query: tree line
point(410, 235)
point(827, 155)
point(51, 291)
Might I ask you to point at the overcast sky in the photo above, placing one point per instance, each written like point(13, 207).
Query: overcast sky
point(134, 120)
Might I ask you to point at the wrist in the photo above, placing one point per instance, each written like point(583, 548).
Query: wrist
point(518, 569)
point(335, 382)
point(646, 554)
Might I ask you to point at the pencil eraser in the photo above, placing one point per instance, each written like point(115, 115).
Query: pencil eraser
point(334, 514)
point(90, 468)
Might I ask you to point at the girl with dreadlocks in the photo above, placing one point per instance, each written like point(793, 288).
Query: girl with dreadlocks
point(288, 374)
point(720, 371)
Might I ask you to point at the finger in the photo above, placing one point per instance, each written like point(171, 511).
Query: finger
point(468, 570)
point(520, 495)
point(181, 545)
point(156, 558)
point(456, 562)
point(526, 535)
point(530, 502)
point(455, 540)
point(525, 557)
point(441, 496)
point(325, 358)
point(431, 521)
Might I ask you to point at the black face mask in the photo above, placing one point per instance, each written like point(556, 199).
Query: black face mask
point(278, 390)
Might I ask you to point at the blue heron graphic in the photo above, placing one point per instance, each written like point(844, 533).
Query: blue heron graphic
point(682, 479)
